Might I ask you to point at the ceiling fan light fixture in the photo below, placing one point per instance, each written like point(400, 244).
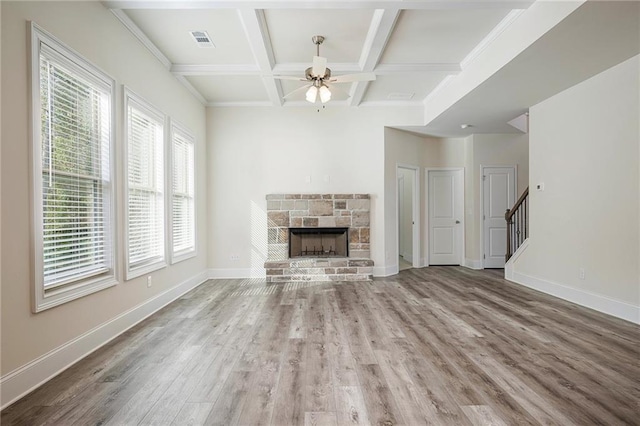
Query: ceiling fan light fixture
point(325, 94)
point(312, 94)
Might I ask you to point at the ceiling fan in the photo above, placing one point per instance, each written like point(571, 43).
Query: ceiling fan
point(319, 77)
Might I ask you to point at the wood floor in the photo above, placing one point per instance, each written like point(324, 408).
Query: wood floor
point(439, 345)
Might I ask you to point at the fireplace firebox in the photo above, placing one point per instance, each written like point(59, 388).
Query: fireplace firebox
point(318, 242)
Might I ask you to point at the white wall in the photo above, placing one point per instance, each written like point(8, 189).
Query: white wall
point(90, 29)
point(254, 151)
point(584, 148)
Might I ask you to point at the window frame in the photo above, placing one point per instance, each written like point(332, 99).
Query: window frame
point(179, 256)
point(131, 98)
point(46, 298)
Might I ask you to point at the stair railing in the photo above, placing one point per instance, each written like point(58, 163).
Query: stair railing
point(517, 224)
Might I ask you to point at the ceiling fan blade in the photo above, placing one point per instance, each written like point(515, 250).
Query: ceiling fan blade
point(319, 66)
point(288, 77)
point(297, 91)
point(348, 78)
point(338, 91)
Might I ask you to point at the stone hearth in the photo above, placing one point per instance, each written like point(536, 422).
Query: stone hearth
point(350, 211)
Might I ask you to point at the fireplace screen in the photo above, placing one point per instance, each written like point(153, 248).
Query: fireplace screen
point(318, 242)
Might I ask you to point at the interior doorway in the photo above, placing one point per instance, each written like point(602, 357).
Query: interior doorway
point(408, 224)
point(445, 195)
point(498, 195)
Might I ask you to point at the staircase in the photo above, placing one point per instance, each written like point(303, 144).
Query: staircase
point(517, 224)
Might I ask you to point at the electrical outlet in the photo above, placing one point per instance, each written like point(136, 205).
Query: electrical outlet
point(149, 281)
point(234, 257)
point(581, 273)
point(307, 179)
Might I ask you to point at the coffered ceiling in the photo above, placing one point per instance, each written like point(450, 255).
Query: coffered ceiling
point(411, 46)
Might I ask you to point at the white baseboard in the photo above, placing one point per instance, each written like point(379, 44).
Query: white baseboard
point(23, 380)
point(229, 273)
point(385, 271)
point(472, 264)
point(594, 301)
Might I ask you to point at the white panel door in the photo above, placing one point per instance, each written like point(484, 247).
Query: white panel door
point(445, 217)
point(498, 195)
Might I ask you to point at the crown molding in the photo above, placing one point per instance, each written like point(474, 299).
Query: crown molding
point(324, 4)
point(142, 37)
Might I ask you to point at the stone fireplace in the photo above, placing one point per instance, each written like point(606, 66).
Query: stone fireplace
point(318, 237)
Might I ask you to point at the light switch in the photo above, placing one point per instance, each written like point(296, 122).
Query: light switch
point(540, 187)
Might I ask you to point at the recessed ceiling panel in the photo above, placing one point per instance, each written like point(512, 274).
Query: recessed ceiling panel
point(344, 31)
point(439, 36)
point(240, 88)
point(170, 31)
point(397, 87)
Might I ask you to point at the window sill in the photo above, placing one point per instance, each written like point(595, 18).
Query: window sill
point(141, 270)
point(183, 255)
point(53, 297)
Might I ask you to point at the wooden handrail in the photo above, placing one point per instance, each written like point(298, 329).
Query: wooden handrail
point(510, 212)
point(517, 224)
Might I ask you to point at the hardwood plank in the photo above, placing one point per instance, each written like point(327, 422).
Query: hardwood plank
point(289, 405)
point(261, 396)
point(319, 419)
point(350, 406)
point(137, 407)
point(192, 414)
point(228, 407)
point(415, 407)
point(380, 403)
point(536, 405)
point(319, 381)
point(343, 363)
point(298, 329)
point(358, 340)
point(482, 415)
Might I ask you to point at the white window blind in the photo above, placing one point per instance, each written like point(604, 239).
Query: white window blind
point(72, 126)
point(183, 194)
point(145, 187)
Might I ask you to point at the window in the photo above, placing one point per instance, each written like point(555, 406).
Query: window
point(145, 242)
point(72, 143)
point(183, 244)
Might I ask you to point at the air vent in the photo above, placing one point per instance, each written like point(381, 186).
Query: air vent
point(397, 96)
point(202, 39)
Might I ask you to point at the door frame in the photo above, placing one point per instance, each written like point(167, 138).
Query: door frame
point(481, 216)
point(427, 260)
point(415, 214)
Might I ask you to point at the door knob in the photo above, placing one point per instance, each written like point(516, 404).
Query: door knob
point(457, 221)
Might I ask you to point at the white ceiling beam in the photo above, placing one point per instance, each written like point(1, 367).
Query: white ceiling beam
point(324, 4)
point(255, 27)
point(297, 68)
point(380, 30)
point(389, 69)
point(294, 69)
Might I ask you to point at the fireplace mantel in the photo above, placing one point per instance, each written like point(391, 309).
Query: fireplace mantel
point(351, 211)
